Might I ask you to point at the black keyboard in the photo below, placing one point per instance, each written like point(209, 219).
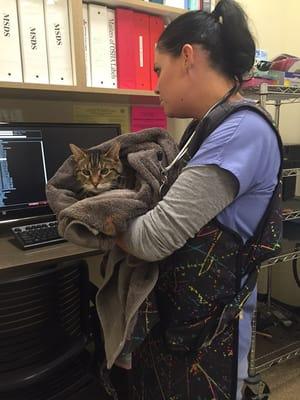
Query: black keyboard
point(35, 235)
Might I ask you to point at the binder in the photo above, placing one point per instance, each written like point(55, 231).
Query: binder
point(195, 5)
point(156, 24)
point(10, 52)
point(58, 42)
point(175, 3)
point(86, 39)
point(125, 52)
point(208, 5)
point(33, 41)
point(112, 47)
point(99, 46)
point(142, 51)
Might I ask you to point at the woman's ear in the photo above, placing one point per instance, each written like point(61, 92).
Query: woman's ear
point(188, 56)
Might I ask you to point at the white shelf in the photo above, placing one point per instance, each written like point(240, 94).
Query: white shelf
point(143, 6)
point(76, 93)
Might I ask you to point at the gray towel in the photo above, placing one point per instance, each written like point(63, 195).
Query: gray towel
point(126, 282)
point(91, 221)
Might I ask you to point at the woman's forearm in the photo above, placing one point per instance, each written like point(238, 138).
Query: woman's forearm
point(198, 195)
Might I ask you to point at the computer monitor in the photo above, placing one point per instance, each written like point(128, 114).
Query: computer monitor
point(30, 153)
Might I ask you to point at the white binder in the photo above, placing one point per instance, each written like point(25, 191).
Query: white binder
point(99, 46)
point(174, 3)
point(112, 47)
point(33, 41)
point(86, 45)
point(209, 5)
point(10, 52)
point(58, 42)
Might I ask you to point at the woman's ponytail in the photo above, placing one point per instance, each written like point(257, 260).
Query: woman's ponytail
point(239, 46)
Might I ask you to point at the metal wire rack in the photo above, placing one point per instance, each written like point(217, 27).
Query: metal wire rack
point(278, 356)
point(290, 172)
point(275, 95)
point(290, 215)
point(281, 258)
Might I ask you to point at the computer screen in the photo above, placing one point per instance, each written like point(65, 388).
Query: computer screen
point(29, 156)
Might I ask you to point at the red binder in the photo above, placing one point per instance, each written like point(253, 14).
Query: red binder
point(156, 28)
point(125, 51)
point(142, 51)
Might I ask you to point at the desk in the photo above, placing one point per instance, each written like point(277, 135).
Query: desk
point(13, 259)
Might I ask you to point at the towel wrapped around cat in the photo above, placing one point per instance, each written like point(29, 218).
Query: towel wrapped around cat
point(94, 221)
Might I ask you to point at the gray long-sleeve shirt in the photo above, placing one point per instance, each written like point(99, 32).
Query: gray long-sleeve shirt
point(197, 196)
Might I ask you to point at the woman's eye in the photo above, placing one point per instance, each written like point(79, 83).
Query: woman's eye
point(104, 171)
point(157, 71)
point(86, 172)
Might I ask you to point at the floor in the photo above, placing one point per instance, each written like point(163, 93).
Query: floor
point(284, 380)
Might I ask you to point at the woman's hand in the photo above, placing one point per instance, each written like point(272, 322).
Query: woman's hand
point(121, 242)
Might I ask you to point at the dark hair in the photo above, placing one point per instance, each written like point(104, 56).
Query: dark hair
point(224, 33)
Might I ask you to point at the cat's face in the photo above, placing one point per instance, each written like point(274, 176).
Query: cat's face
point(97, 172)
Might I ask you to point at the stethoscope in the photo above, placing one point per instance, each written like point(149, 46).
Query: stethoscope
point(165, 170)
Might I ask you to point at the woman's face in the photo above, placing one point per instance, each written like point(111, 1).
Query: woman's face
point(188, 85)
point(173, 84)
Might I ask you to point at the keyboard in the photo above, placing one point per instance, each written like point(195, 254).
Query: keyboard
point(36, 235)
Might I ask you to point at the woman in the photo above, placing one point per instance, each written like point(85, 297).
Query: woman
point(222, 194)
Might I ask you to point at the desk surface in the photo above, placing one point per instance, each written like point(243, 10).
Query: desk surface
point(11, 256)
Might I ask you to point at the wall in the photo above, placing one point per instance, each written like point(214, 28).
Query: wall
point(275, 25)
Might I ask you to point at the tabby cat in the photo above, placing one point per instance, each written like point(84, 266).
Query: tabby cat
point(97, 172)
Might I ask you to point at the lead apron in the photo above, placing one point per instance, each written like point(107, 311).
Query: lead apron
point(192, 353)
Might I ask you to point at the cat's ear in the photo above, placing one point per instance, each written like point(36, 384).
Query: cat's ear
point(114, 151)
point(78, 153)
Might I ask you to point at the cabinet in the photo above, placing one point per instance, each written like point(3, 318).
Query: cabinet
point(276, 96)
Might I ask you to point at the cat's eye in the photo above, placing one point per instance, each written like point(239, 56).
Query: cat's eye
point(86, 172)
point(104, 171)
